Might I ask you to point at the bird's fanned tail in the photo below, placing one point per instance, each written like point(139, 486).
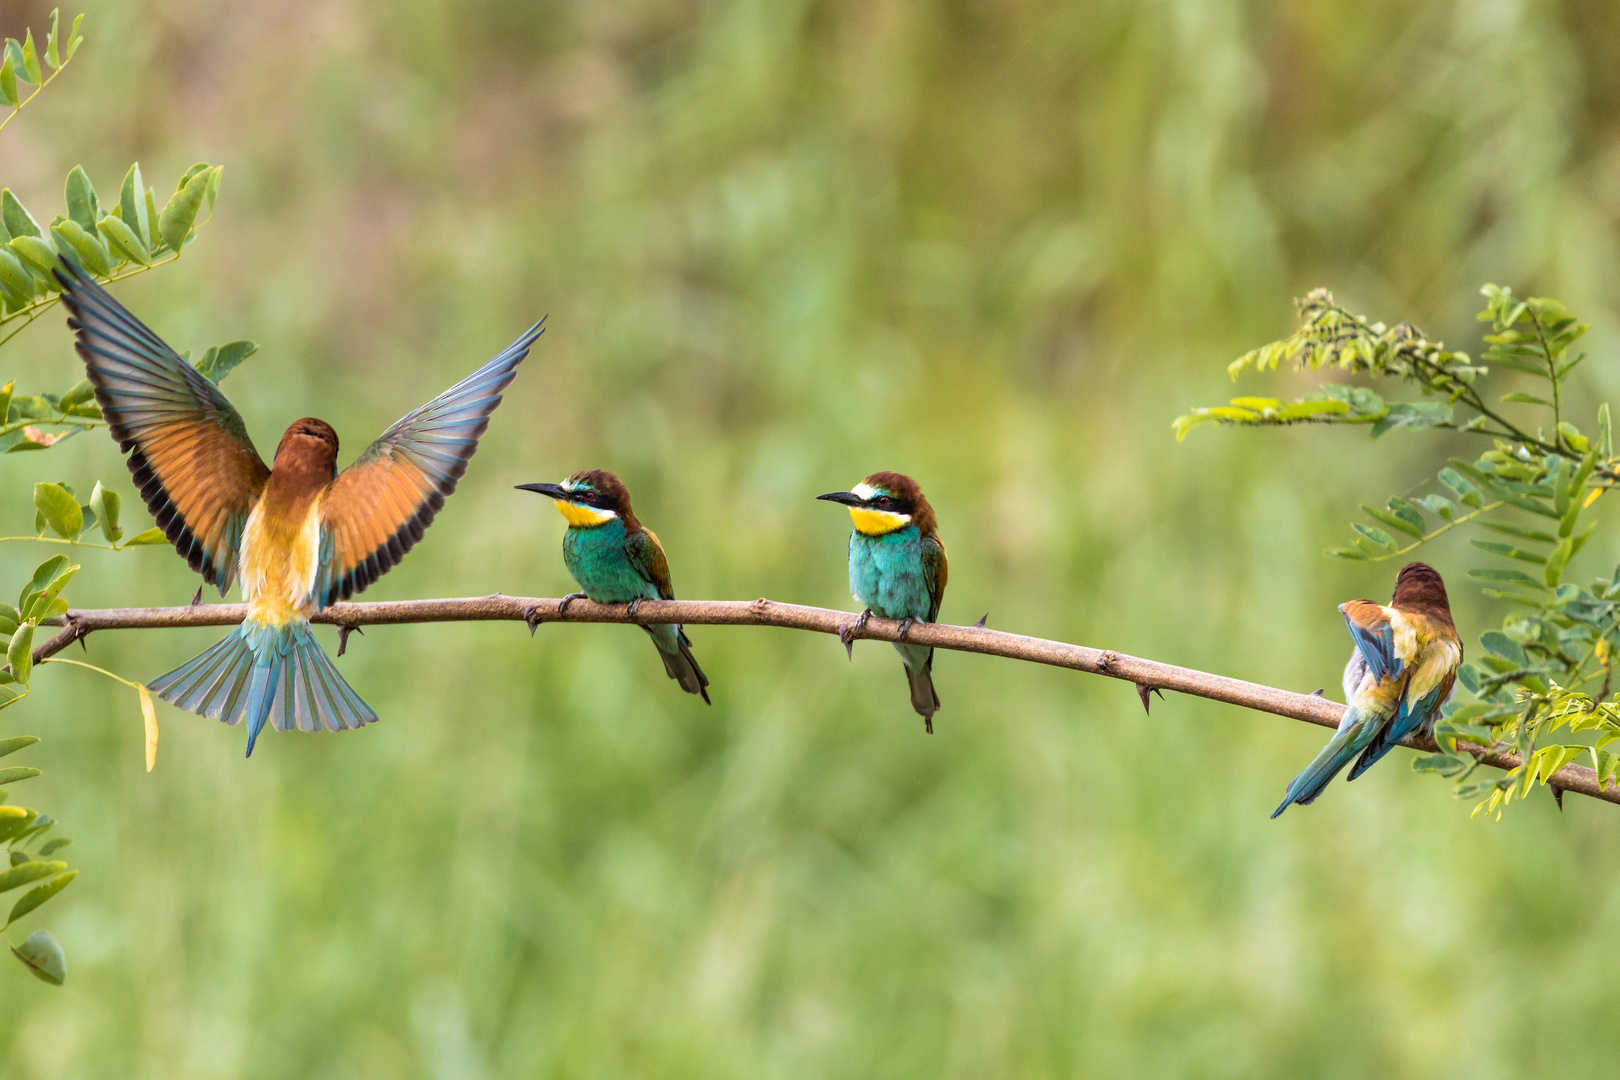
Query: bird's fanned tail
point(1354, 734)
point(675, 649)
point(264, 673)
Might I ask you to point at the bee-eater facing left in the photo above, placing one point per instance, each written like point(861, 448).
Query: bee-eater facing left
point(299, 535)
point(618, 560)
point(1403, 668)
point(897, 569)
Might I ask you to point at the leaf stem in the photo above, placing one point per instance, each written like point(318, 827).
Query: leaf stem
point(37, 91)
point(1424, 539)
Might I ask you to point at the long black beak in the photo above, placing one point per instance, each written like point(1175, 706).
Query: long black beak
point(555, 491)
point(848, 498)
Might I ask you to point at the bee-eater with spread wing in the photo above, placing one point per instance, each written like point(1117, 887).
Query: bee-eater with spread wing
point(1403, 668)
point(299, 535)
point(897, 569)
point(618, 560)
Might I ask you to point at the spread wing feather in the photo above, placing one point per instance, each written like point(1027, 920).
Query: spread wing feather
point(188, 450)
point(378, 508)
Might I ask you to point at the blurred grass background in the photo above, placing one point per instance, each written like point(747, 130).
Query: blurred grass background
point(783, 244)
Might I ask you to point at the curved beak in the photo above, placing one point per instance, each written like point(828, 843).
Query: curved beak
point(555, 491)
point(848, 498)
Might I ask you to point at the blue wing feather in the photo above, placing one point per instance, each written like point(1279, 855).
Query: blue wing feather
point(1375, 641)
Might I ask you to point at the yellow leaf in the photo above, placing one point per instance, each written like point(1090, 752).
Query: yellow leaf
point(1592, 497)
point(149, 715)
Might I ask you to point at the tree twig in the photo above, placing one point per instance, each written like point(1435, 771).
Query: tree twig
point(1151, 674)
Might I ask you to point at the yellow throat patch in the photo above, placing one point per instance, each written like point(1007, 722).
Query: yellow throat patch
point(877, 522)
point(584, 516)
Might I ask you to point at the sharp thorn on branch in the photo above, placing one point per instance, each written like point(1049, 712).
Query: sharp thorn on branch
point(343, 636)
point(196, 601)
point(1143, 690)
point(1320, 691)
point(1558, 797)
point(531, 615)
point(982, 620)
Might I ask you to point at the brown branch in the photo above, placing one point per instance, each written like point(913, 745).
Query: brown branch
point(1148, 674)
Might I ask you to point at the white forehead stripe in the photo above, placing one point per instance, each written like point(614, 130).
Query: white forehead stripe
point(863, 490)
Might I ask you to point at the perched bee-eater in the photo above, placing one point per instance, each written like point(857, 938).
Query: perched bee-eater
point(897, 569)
point(299, 535)
point(1401, 672)
point(618, 560)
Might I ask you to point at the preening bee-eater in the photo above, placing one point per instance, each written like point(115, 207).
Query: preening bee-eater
point(299, 535)
point(618, 560)
point(897, 569)
point(1403, 668)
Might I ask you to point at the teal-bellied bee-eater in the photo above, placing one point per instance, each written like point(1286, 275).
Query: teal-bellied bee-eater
point(1401, 672)
point(897, 569)
point(299, 535)
point(618, 560)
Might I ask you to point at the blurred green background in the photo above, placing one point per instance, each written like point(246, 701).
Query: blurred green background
point(997, 245)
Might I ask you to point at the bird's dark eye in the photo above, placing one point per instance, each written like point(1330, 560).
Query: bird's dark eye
point(883, 500)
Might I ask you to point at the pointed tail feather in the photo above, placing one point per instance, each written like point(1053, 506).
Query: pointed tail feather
point(258, 673)
point(1354, 733)
point(675, 649)
point(920, 676)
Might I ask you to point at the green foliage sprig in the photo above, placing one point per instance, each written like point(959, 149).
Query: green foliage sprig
point(19, 66)
point(124, 238)
point(1548, 672)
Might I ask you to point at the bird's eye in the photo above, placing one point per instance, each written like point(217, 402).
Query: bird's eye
point(883, 500)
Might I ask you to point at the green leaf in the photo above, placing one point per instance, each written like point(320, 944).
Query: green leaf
point(1508, 551)
point(92, 253)
point(220, 362)
point(16, 743)
point(51, 846)
point(42, 954)
point(153, 535)
point(52, 56)
point(1556, 561)
point(106, 504)
point(15, 54)
point(1499, 644)
point(36, 253)
point(1375, 535)
point(1504, 577)
point(27, 873)
point(39, 894)
point(20, 653)
point(1467, 493)
point(76, 394)
point(74, 38)
point(124, 241)
point(1347, 553)
point(1573, 437)
point(1527, 399)
point(19, 222)
point(1605, 446)
point(1518, 530)
point(132, 206)
point(31, 60)
point(82, 204)
point(181, 213)
point(15, 277)
point(8, 83)
point(13, 774)
point(1403, 518)
point(61, 510)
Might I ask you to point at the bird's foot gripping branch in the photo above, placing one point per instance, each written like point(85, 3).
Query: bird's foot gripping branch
point(1542, 684)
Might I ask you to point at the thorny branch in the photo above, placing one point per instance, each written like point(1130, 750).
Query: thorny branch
point(1147, 675)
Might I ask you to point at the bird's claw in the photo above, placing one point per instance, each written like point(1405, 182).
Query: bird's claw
point(562, 605)
point(905, 628)
point(634, 606)
point(531, 616)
